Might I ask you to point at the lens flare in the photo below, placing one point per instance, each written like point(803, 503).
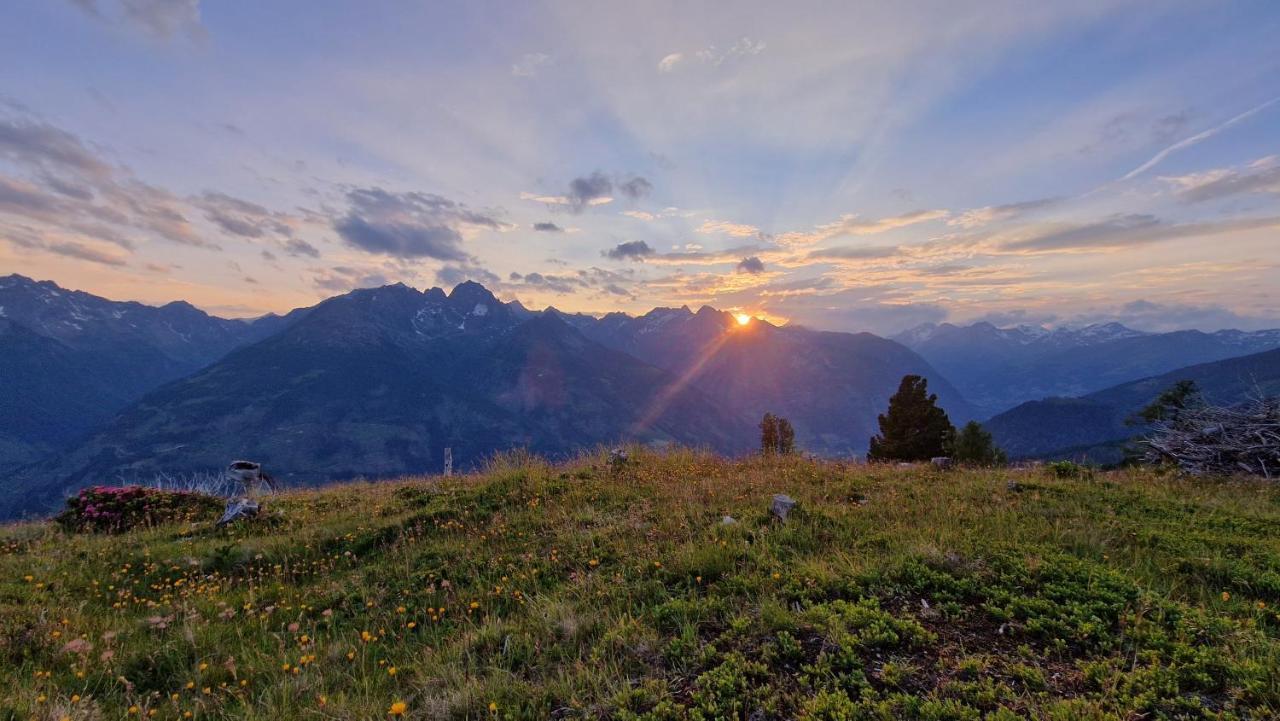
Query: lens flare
point(742, 318)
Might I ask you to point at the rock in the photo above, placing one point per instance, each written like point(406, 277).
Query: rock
point(728, 521)
point(250, 477)
point(238, 508)
point(942, 462)
point(781, 506)
point(617, 458)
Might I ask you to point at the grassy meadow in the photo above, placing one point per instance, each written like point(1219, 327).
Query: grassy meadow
point(575, 591)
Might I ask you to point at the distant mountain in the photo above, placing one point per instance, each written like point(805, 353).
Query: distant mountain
point(378, 382)
point(831, 386)
point(71, 360)
point(998, 368)
point(1093, 426)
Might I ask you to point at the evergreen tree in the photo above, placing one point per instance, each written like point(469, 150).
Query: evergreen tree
point(974, 445)
point(1166, 407)
point(914, 428)
point(769, 435)
point(786, 437)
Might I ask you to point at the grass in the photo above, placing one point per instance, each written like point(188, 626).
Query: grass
point(534, 591)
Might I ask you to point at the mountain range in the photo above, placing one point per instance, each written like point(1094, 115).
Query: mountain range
point(71, 360)
point(999, 368)
point(1094, 427)
point(378, 382)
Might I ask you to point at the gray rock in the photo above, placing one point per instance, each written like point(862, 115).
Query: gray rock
point(249, 476)
point(238, 508)
point(781, 506)
point(728, 521)
point(617, 458)
point(942, 462)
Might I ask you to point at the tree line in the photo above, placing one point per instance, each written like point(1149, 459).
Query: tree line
point(914, 428)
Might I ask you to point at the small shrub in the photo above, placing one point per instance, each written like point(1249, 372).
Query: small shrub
point(1067, 469)
point(115, 509)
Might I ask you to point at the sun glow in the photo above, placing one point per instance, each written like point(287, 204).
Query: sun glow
point(742, 318)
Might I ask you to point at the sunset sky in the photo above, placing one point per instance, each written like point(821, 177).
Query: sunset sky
point(844, 167)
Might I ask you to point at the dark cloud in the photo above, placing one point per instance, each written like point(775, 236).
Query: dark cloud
point(408, 225)
point(340, 279)
point(451, 275)
point(582, 191)
point(548, 228)
point(752, 265)
point(635, 187)
point(630, 250)
point(299, 248)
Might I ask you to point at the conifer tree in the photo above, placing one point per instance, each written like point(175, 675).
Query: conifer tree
point(769, 435)
point(974, 445)
point(914, 428)
point(786, 437)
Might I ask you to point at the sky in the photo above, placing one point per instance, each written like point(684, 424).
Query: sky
point(846, 166)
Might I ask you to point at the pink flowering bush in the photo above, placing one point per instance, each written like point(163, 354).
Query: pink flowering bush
point(114, 509)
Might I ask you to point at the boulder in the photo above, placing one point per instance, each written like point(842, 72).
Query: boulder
point(728, 521)
point(781, 506)
point(942, 462)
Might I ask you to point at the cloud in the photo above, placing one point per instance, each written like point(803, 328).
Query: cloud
point(300, 248)
point(1163, 317)
point(50, 149)
point(71, 187)
point(1260, 176)
point(241, 217)
point(856, 252)
point(1198, 137)
point(340, 279)
point(560, 284)
point(635, 187)
point(712, 56)
point(851, 224)
point(752, 265)
point(547, 228)
point(160, 18)
point(978, 217)
point(630, 250)
point(83, 252)
point(529, 64)
point(409, 225)
point(594, 189)
point(1125, 231)
point(737, 230)
point(669, 62)
point(452, 275)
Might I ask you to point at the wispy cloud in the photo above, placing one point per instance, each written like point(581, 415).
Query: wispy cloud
point(1197, 138)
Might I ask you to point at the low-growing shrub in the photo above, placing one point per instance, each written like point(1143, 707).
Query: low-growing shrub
point(115, 509)
point(1067, 469)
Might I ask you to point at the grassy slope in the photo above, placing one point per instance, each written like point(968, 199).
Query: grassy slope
point(570, 592)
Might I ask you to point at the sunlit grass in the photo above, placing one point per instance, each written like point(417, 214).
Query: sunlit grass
point(575, 591)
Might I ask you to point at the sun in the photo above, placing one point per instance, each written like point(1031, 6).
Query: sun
point(742, 318)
